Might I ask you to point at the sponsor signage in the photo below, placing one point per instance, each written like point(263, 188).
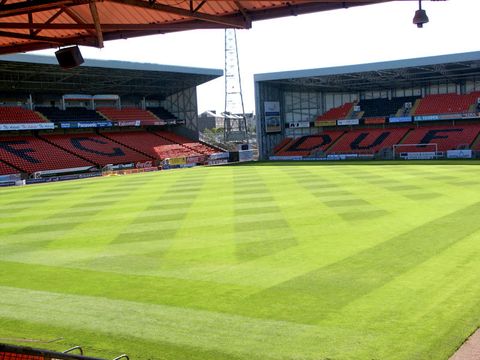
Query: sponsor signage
point(299, 124)
point(153, 122)
point(199, 159)
point(7, 183)
point(10, 177)
point(459, 154)
point(422, 155)
point(325, 123)
point(281, 158)
point(85, 124)
point(427, 118)
point(27, 126)
point(376, 120)
point(348, 122)
point(272, 108)
point(458, 116)
point(121, 166)
point(245, 155)
point(60, 171)
point(341, 156)
point(177, 161)
point(272, 124)
point(129, 123)
point(217, 162)
point(63, 178)
point(222, 155)
point(144, 165)
point(272, 116)
point(399, 119)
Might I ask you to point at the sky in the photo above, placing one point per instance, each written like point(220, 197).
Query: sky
point(341, 37)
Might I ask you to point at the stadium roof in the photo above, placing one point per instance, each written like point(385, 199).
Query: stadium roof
point(27, 25)
point(453, 68)
point(32, 74)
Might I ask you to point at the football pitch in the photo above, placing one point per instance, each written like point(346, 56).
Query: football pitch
point(261, 261)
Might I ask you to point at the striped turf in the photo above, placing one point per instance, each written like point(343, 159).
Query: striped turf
point(265, 261)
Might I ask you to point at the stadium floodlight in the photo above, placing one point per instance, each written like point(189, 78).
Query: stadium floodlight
point(420, 17)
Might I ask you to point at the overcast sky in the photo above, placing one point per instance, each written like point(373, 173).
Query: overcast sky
point(341, 37)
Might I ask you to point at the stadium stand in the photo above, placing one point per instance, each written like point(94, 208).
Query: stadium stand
point(31, 154)
point(96, 148)
point(126, 114)
point(149, 143)
point(162, 113)
point(55, 114)
point(306, 145)
point(384, 107)
point(6, 169)
point(446, 137)
point(16, 356)
point(368, 141)
point(284, 144)
point(18, 115)
point(14, 352)
point(444, 104)
point(197, 147)
point(337, 113)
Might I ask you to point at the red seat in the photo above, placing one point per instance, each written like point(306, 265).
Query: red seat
point(97, 149)
point(6, 169)
point(337, 113)
point(19, 115)
point(444, 104)
point(306, 145)
point(33, 154)
point(446, 137)
point(190, 146)
point(15, 356)
point(151, 144)
point(126, 114)
point(368, 141)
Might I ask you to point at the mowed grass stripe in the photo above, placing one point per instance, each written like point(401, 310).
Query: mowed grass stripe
point(270, 235)
point(362, 273)
point(237, 335)
point(363, 280)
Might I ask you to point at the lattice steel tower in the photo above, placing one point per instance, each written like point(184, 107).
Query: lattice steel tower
point(235, 123)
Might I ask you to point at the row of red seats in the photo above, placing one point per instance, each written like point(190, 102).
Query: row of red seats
point(446, 137)
point(446, 104)
point(368, 140)
point(6, 169)
point(126, 114)
point(15, 356)
point(429, 105)
point(372, 141)
point(97, 149)
point(151, 144)
point(19, 115)
point(50, 152)
point(337, 113)
point(197, 147)
point(307, 144)
point(32, 154)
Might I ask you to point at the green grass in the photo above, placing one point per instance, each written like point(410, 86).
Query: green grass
point(263, 261)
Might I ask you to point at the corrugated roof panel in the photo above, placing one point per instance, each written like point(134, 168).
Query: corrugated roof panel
point(128, 18)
